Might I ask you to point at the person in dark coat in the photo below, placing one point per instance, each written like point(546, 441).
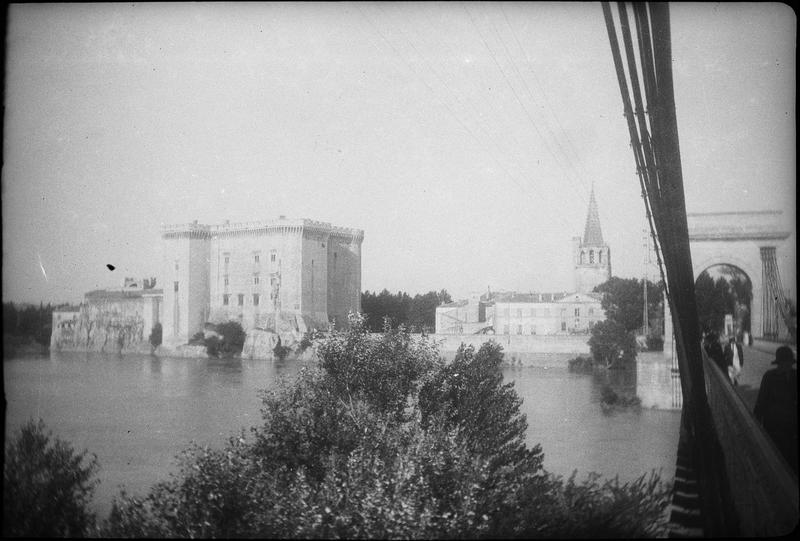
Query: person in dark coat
point(776, 405)
point(734, 359)
point(714, 351)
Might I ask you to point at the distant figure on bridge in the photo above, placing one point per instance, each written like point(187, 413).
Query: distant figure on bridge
point(776, 405)
point(734, 359)
point(714, 350)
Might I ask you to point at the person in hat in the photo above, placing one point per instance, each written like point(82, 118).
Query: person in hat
point(776, 405)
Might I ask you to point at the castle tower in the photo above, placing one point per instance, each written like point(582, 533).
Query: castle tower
point(592, 255)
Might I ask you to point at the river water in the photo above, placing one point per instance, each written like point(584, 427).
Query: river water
point(136, 413)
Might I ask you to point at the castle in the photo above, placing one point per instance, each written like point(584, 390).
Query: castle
point(258, 272)
point(286, 275)
point(540, 313)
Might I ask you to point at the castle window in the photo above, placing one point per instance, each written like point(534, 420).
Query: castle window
point(225, 299)
point(241, 299)
point(591, 256)
point(519, 329)
point(176, 265)
point(176, 287)
point(273, 256)
point(226, 280)
point(255, 299)
point(256, 258)
point(599, 256)
point(255, 279)
point(583, 257)
point(577, 312)
point(227, 258)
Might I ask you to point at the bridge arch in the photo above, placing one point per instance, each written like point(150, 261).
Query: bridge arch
point(737, 239)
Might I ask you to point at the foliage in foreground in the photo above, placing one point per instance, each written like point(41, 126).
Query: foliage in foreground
point(47, 486)
point(383, 440)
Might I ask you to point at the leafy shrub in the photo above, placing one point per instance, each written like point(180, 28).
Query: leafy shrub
point(227, 342)
point(581, 365)
point(610, 398)
point(47, 487)
point(281, 351)
point(156, 335)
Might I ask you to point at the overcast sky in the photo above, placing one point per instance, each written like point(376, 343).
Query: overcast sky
point(462, 138)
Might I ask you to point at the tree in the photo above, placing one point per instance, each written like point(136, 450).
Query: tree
point(612, 345)
point(417, 313)
point(47, 486)
point(230, 341)
point(623, 300)
point(383, 440)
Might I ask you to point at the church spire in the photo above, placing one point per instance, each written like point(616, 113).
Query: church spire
point(592, 234)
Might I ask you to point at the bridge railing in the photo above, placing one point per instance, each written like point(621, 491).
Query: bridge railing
point(763, 486)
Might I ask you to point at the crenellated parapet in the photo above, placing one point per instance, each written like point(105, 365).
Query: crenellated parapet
point(281, 226)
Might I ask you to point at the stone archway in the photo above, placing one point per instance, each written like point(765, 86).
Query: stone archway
point(737, 239)
point(740, 286)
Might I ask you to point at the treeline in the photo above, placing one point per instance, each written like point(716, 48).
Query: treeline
point(416, 313)
point(29, 322)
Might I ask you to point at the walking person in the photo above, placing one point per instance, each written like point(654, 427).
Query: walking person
point(776, 405)
point(734, 359)
point(714, 351)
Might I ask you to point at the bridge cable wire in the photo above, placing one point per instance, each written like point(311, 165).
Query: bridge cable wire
point(512, 177)
point(479, 114)
point(663, 189)
point(545, 123)
point(522, 104)
point(545, 101)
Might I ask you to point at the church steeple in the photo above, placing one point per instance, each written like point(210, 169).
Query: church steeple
point(592, 234)
point(592, 254)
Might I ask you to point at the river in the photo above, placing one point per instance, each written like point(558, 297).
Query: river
point(136, 413)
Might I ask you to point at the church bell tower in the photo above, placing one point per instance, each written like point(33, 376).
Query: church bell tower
point(592, 255)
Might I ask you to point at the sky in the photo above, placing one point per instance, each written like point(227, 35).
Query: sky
point(463, 138)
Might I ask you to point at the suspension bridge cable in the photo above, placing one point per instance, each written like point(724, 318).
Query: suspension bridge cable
point(479, 114)
point(516, 96)
point(545, 100)
point(510, 58)
point(452, 113)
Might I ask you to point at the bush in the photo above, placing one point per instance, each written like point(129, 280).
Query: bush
point(47, 487)
point(228, 341)
point(280, 351)
point(581, 365)
point(156, 335)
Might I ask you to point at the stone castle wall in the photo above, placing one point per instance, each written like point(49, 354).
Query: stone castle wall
point(112, 326)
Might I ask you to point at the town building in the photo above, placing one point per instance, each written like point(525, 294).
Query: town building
point(540, 313)
point(259, 274)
